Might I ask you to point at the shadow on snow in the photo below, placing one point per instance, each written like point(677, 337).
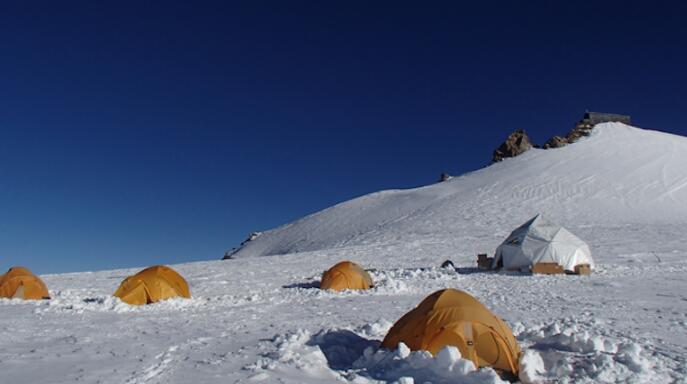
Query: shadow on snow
point(341, 347)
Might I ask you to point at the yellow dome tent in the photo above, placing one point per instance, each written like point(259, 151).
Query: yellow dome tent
point(20, 283)
point(453, 317)
point(151, 285)
point(346, 275)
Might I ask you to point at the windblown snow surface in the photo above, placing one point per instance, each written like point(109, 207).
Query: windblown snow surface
point(262, 319)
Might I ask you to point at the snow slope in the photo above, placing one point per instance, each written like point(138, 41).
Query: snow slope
point(263, 320)
point(620, 174)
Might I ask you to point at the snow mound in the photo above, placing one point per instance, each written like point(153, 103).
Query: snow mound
point(293, 358)
point(561, 351)
point(570, 351)
point(344, 355)
point(620, 174)
point(387, 282)
point(74, 302)
point(405, 366)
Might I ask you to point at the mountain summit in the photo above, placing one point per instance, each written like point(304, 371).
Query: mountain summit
point(618, 174)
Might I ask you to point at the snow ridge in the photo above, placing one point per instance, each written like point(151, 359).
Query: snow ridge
point(619, 174)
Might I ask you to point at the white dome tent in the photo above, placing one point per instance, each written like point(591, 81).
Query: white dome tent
point(542, 241)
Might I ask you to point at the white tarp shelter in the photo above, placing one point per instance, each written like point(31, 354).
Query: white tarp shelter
point(542, 241)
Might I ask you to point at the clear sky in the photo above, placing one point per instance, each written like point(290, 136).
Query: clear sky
point(136, 133)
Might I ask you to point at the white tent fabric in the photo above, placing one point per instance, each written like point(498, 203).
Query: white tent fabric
point(541, 241)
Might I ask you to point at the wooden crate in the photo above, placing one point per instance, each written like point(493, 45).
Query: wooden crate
point(547, 269)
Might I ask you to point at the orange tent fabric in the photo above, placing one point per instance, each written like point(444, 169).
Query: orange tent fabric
point(20, 283)
point(151, 285)
point(453, 317)
point(346, 275)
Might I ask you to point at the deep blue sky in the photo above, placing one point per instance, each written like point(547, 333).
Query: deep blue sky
point(133, 134)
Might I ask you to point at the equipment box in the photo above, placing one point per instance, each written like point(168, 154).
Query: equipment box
point(547, 269)
point(583, 269)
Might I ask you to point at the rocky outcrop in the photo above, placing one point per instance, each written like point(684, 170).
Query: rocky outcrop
point(444, 177)
point(556, 142)
point(517, 143)
point(581, 129)
point(584, 128)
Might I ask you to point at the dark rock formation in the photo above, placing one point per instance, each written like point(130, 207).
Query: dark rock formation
point(516, 143)
point(581, 129)
point(556, 142)
point(444, 177)
point(584, 128)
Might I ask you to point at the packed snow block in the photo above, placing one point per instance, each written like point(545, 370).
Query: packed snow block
point(547, 269)
point(484, 262)
point(583, 269)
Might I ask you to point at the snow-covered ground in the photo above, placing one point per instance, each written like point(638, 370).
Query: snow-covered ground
point(262, 319)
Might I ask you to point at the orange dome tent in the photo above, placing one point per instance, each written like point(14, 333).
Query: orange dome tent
point(453, 317)
point(346, 275)
point(151, 285)
point(20, 283)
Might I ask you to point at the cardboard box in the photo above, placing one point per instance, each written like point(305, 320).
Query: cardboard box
point(547, 269)
point(583, 269)
point(483, 261)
